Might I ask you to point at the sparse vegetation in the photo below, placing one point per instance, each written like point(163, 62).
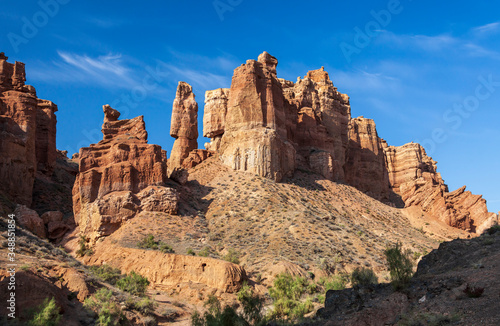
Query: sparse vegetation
point(400, 265)
point(149, 243)
point(216, 316)
point(363, 276)
point(108, 311)
point(106, 273)
point(286, 294)
point(84, 250)
point(494, 229)
point(133, 283)
point(146, 306)
point(191, 252)
point(232, 256)
point(46, 314)
point(204, 252)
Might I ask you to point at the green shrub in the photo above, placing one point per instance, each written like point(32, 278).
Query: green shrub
point(149, 243)
point(216, 316)
point(400, 266)
point(286, 293)
point(494, 229)
point(108, 311)
point(204, 252)
point(106, 273)
point(165, 248)
point(252, 305)
point(335, 282)
point(133, 283)
point(46, 314)
point(84, 250)
point(232, 256)
point(363, 276)
point(191, 252)
point(146, 306)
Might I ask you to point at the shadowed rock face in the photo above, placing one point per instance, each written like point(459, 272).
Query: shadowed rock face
point(269, 126)
point(120, 176)
point(28, 134)
point(365, 167)
point(184, 124)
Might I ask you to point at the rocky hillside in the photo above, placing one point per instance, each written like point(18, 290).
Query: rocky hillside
point(457, 284)
point(290, 182)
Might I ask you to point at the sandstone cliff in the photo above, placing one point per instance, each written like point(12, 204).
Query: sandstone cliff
point(120, 176)
point(270, 126)
point(28, 154)
point(184, 125)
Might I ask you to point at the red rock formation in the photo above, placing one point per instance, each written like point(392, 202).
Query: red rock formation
point(30, 220)
point(267, 126)
point(184, 124)
point(332, 111)
point(365, 168)
point(413, 175)
point(28, 131)
point(196, 157)
point(120, 176)
point(214, 117)
point(255, 136)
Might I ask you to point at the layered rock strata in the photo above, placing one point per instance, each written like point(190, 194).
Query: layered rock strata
point(28, 154)
point(184, 125)
point(270, 126)
point(119, 177)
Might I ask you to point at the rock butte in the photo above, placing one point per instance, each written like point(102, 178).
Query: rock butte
point(119, 177)
point(271, 126)
point(29, 159)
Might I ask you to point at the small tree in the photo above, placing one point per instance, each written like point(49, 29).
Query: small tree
point(252, 305)
point(47, 314)
point(286, 293)
point(400, 265)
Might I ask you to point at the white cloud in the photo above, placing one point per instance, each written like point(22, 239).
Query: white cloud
point(443, 44)
point(487, 29)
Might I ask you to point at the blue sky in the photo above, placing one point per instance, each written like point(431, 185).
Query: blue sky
point(425, 71)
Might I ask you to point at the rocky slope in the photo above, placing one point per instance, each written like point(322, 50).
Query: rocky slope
point(456, 284)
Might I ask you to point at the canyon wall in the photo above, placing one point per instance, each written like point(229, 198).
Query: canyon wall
point(271, 126)
point(28, 154)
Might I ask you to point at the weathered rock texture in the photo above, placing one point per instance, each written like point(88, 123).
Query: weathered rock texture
point(255, 135)
point(120, 176)
point(365, 167)
point(28, 154)
point(184, 125)
point(214, 117)
point(270, 126)
point(171, 269)
point(413, 175)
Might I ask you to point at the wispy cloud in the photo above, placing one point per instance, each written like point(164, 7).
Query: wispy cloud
point(110, 70)
point(487, 29)
point(442, 44)
point(200, 80)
